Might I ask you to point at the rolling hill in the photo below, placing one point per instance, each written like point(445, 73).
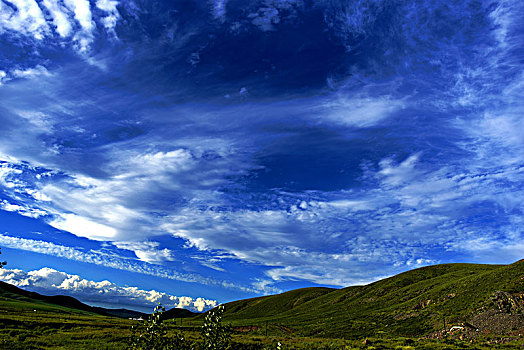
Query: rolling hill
point(422, 302)
point(419, 302)
point(8, 292)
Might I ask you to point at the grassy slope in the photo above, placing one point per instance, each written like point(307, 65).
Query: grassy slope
point(30, 323)
point(268, 306)
point(393, 306)
point(52, 326)
point(8, 291)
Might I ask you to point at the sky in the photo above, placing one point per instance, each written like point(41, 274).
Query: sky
point(195, 152)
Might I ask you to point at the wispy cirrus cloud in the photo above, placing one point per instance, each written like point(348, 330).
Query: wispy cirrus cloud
point(111, 260)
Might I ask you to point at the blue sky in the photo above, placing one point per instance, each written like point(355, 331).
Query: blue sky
point(197, 152)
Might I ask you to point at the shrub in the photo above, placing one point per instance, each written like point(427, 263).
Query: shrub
point(152, 334)
point(215, 336)
point(3, 263)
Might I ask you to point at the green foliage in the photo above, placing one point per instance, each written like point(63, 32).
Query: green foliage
point(3, 263)
point(215, 336)
point(152, 334)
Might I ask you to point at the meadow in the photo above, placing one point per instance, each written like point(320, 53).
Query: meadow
point(452, 306)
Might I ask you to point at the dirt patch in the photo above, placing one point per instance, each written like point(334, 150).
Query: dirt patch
point(502, 316)
point(245, 328)
point(498, 322)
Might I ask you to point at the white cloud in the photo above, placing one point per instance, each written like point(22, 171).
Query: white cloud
point(265, 18)
point(109, 6)
point(38, 120)
point(359, 111)
point(108, 209)
point(506, 19)
point(491, 248)
point(22, 210)
point(271, 13)
point(83, 227)
point(219, 8)
point(69, 18)
point(399, 174)
point(3, 76)
point(50, 281)
point(27, 18)
point(354, 205)
point(156, 164)
point(507, 127)
point(9, 179)
point(286, 241)
point(61, 19)
point(147, 251)
point(82, 11)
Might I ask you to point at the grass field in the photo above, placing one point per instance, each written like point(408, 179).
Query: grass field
point(408, 311)
point(38, 325)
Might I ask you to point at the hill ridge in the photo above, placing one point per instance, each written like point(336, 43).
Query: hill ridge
point(64, 301)
point(414, 302)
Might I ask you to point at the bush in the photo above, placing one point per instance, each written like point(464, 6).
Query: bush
point(215, 336)
point(152, 334)
point(3, 263)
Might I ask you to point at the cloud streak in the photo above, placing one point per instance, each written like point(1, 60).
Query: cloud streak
point(110, 260)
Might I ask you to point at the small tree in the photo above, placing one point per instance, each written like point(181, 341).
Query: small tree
point(152, 334)
point(3, 263)
point(215, 336)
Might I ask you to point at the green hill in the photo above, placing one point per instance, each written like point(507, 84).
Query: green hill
point(13, 295)
point(414, 303)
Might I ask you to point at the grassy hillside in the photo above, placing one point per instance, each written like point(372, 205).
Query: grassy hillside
point(392, 313)
point(34, 324)
point(273, 305)
point(413, 303)
point(9, 292)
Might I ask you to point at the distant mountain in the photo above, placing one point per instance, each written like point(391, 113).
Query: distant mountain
point(8, 291)
point(178, 313)
point(424, 301)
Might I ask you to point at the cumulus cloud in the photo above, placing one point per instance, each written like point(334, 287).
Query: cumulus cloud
point(50, 281)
